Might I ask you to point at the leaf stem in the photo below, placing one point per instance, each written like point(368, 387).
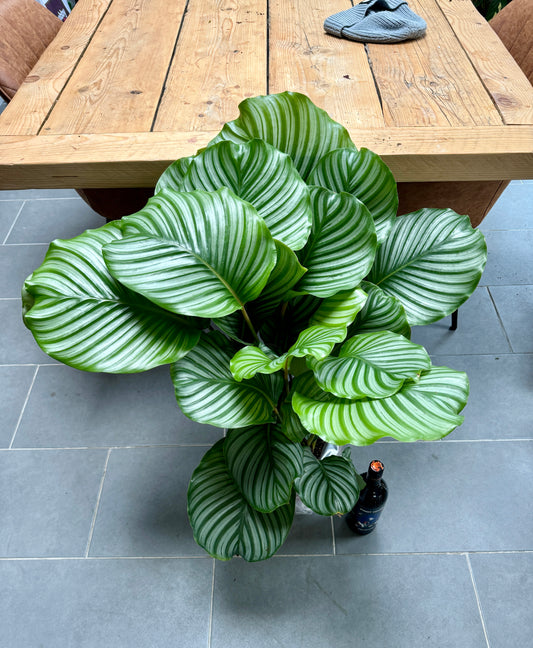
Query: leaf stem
point(250, 325)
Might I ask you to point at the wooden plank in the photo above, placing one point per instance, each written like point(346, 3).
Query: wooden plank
point(430, 81)
point(26, 112)
point(503, 78)
point(220, 60)
point(137, 159)
point(117, 84)
point(333, 72)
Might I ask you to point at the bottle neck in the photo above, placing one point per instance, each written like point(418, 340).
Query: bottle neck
point(375, 472)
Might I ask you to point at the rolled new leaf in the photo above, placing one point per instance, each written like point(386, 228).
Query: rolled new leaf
point(207, 392)
point(223, 522)
point(364, 175)
point(264, 465)
point(197, 253)
point(431, 261)
point(80, 315)
point(292, 123)
point(417, 412)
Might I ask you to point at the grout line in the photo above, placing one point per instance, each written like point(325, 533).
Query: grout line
point(131, 447)
point(13, 223)
point(333, 536)
point(23, 407)
point(500, 319)
point(477, 599)
point(27, 244)
point(32, 199)
point(88, 558)
point(93, 521)
point(210, 626)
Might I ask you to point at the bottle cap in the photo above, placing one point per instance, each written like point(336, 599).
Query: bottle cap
point(377, 467)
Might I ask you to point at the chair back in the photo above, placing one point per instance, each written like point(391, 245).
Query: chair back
point(514, 26)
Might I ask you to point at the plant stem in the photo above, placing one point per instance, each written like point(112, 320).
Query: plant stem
point(286, 376)
point(250, 325)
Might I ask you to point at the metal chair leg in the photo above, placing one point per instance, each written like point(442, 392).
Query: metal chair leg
point(453, 327)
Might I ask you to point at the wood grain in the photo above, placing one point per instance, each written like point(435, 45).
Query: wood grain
point(333, 72)
point(430, 81)
point(137, 159)
point(503, 78)
point(118, 82)
point(27, 111)
point(220, 60)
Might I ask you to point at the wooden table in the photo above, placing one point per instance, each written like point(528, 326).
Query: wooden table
point(128, 86)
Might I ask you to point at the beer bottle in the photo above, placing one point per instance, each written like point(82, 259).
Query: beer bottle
point(362, 519)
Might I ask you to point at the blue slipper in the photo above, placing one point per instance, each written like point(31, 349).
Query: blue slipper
point(377, 21)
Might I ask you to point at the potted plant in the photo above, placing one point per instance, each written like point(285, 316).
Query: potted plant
point(270, 271)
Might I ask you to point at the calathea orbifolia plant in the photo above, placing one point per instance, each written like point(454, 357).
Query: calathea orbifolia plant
point(271, 272)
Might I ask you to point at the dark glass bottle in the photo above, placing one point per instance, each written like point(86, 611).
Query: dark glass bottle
point(364, 516)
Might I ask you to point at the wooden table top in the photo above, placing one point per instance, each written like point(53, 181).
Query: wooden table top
point(128, 86)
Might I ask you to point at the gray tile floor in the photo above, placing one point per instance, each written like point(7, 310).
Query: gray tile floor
point(95, 547)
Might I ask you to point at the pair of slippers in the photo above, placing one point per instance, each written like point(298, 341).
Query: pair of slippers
point(377, 21)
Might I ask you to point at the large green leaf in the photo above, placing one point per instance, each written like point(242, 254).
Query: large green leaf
point(381, 312)
point(371, 364)
point(432, 261)
point(263, 176)
point(342, 245)
point(292, 123)
point(328, 486)
point(173, 175)
point(340, 309)
point(82, 316)
point(223, 522)
point(207, 392)
point(364, 175)
point(264, 465)
point(197, 253)
point(418, 411)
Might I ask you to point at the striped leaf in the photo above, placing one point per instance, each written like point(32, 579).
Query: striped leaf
point(341, 247)
point(207, 392)
point(80, 315)
point(381, 312)
point(291, 426)
point(263, 176)
point(415, 412)
point(328, 486)
point(432, 262)
point(198, 253)
point(371, 364)
point(364, 175)
point(264, 465)
point(340, 309)
point(251, 360)
point(223, 522)
point(292, 123)
point(172, 176)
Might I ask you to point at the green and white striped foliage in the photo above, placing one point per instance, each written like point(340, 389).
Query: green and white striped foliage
point(341, 248)
point(264, 465)
point(340, 309)
point(328, 486)
point(197, 253)
point(418, 411)
point(364, 175)
point(222, 520)
point(431, 261)
point(371, 364)
point(82, 316)
point(381, 312)
point(173, 175)
point(207, 392)
point(292, 123)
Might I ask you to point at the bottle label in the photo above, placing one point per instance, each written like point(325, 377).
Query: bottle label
point(367, 519)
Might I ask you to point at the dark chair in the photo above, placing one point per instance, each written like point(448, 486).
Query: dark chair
point(514, 26)
point(27, 28)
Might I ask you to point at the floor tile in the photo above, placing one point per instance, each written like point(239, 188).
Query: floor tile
point(479, 330)
point(17, 262)
point(143, 508)
point(41, 221)
point(14, 385)
point(504, 584)
point(33, 194)
point(8, 213)
point(346, 602)
point(71, 408)
point(515, 307)
point(500, 404)
point(513, 209)
point(310, 534)
point(509, 258)
point(446, 496)
point(17, 345)
point(47, 499)
point(105, 603)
